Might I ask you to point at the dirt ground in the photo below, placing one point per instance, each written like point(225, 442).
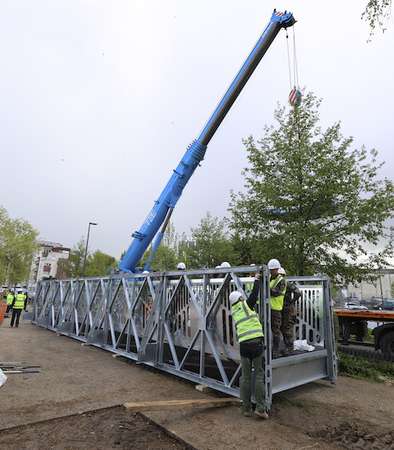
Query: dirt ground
point(74, 379)
point(110, 428)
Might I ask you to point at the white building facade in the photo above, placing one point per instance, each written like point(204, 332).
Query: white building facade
point(380, 288)
point(45, 260)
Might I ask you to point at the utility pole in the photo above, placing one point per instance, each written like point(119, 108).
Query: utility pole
point(86, 247)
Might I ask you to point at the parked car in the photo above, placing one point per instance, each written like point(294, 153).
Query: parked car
point(388, 304)
point(354, 305)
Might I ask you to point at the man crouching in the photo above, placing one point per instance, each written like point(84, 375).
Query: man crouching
point(250, 337)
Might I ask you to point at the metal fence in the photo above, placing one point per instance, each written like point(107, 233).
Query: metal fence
point(180, 322)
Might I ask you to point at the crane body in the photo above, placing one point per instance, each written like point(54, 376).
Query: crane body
point(164, 205)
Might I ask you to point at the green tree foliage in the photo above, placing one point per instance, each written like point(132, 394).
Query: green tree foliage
point(166, 255)
point(311, 201)
point(376, 14)
point(73, 266)
point(99, 264)
point(184, 250)
point(209, 245)
point(17, 245)
point(165, 258)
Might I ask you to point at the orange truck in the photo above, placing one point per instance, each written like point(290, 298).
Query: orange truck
point(356, 322)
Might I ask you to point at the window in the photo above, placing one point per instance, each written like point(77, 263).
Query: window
point(46, 268)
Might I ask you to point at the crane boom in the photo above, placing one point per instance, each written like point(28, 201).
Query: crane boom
point(195, 152)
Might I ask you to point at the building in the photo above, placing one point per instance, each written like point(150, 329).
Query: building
point(45, 260)
point(382, 287)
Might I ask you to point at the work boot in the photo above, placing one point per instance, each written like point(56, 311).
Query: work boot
point(261, 414)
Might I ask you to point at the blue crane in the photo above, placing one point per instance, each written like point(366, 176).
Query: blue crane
point(160, 214)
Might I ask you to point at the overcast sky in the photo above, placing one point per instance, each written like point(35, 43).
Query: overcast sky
point(99, 100)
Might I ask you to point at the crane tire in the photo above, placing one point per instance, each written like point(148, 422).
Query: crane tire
point(387, 344)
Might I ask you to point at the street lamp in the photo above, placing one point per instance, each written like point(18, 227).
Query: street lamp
point(86, 248)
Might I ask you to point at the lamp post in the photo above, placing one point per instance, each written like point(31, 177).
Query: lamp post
point(86, 248)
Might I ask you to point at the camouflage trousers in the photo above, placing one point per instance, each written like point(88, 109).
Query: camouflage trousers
point(276, 323)
point(287, 325)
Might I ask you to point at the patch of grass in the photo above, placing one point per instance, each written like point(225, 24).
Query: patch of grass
point(369, 337)
point(363, 368)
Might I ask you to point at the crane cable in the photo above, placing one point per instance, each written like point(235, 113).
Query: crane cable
point(295, 95)
point(288, 59)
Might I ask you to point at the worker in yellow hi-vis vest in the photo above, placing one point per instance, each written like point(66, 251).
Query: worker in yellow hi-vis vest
point(10, 298)
point(18, 305)
point(250, 335)
point(277, 295)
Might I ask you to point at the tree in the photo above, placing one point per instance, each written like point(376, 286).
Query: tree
point(311, 201)
point(376, 14)
point(165, 259)
point(99, 264)
point(209, 244)
point(74, 265)
point(184, 249)
point(17, 245)
point(166, 255)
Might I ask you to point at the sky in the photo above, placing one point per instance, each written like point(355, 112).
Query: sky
point(99, 100)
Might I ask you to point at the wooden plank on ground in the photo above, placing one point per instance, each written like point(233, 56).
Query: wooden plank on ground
point(170, 404)
point(21, 371)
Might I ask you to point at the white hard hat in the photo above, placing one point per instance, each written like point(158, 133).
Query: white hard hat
point(225, 264)
point(181, 266)
point(234, 297)
point(145, 271)
point(273, 264)
point(282, 271)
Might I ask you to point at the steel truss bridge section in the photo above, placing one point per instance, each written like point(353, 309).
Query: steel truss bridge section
point(180, 322)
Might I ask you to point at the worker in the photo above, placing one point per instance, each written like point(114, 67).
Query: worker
point(277, 294)
point(289, 318)
point(10, 298)
point(18, 304)
point(248, 286)
point(250, 335)
point(181, 266)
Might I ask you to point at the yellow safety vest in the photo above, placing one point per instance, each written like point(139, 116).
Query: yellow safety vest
point(19, 301)
point(10, 299)
point(247, 322)
point(248, 287)
point(277, 302)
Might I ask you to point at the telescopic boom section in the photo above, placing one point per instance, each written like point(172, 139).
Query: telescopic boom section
point(196, 151)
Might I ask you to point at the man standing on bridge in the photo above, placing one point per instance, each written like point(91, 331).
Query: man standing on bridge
point(277, 295)
point(250, 337)
point(289, 316)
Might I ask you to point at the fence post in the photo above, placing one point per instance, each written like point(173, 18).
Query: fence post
point(329, 332)
point(265, 317)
